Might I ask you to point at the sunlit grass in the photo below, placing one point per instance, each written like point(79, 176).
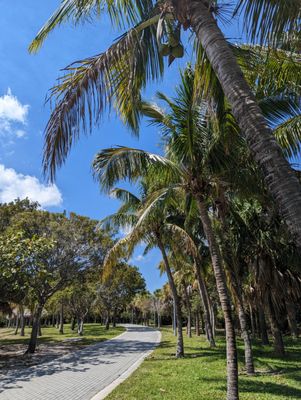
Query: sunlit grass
point(92, 333)
point(201, 375)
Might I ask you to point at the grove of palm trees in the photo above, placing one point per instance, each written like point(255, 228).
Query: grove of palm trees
point(218, 203)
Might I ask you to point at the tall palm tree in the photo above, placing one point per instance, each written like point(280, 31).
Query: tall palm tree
point(194, 159)
point(152, 229)
point(118, 75)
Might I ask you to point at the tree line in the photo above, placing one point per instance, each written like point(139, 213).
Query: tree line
point(51, 269)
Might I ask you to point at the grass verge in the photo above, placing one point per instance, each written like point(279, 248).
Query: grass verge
point(201, 375)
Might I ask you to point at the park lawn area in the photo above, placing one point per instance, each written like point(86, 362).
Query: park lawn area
point(92, 333)
point(201, 375)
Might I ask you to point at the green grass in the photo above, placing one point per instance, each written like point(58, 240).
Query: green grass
point(92, 333)
point(201, 375)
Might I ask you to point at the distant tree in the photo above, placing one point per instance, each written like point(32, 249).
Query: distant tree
point(118, 288)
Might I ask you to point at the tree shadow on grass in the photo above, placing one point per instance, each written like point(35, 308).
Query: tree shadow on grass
point(250, 385)
point(272, 388)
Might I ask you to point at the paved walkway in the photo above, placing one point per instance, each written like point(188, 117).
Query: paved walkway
point(84, 373)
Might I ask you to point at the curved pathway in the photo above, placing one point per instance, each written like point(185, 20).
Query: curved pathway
point(85, 374)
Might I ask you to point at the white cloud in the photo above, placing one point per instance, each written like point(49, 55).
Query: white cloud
point(12, 114)
point(140, 257)
point(14, 185)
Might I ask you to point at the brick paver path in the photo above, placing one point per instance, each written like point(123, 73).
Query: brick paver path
point(83, 373)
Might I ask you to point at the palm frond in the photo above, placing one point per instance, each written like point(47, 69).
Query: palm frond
point(125, 196)
point(121, 163)
point(124, 248)
point(180, 240)
point(284, 116)
point(92, 85)
point(288, 134)
point(266, 20)
point(119, 220)
point(121, 13)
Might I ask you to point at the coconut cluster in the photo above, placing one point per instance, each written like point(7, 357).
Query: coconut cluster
point(173, 45)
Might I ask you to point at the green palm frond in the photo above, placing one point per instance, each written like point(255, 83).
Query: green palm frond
point(119, 220)
point(125, 196)
point(121, 163)
point(269, 71)
point(180, 240)
point(156, 115)
point(284, 116)
point(266, 20)
point(124, 248)
point(121, 13)
point(94, 84)
point(288, 134)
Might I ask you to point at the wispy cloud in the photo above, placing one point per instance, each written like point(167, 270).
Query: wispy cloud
point(13, 117)
point(14, 185)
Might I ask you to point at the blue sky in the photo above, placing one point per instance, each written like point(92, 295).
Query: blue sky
point(24, 83)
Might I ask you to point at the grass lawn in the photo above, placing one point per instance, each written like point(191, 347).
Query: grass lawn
point(92, 333)
point(201, 375)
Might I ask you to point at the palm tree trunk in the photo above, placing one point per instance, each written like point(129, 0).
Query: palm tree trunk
point(204, 297)
point(246, 338)
point(291, 317)
point(188, 310)
point(232, 367)
point(278, 175)
point(252, 320)
point(275, 328)
point(263, 327)
point(180, 343)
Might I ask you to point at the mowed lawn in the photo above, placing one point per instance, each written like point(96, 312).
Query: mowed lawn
point(201, 375)
point(92, 333)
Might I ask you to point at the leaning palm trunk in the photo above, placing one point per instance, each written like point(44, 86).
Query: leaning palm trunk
point(180, 343)
point(232, 367)
point(204, 297)
point(279, 177)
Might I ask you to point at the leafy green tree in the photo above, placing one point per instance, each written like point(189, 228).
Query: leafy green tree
point(118, 288)
point(41, 253)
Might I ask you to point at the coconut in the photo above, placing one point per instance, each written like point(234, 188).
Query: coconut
point(164, 49)
point(178, 52)
point(173, 40)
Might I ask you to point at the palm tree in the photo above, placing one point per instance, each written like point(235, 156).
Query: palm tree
point(194, 158)
point(118, 75)
point(150, 228)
